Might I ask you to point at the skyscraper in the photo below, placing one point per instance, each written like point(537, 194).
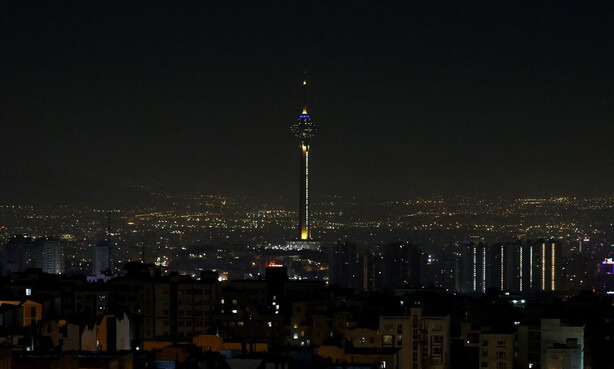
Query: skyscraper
point(101, 258)
point(550, 264)
point(343, 266)
point(17, 254)
point(474, 267)
point(401, 266)
point(101, 262)
point(52, 256)
point(512, 265)
point(304, 129)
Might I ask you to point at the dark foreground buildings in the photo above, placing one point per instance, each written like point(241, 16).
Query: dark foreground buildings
point(142, 317)
point(472, 305)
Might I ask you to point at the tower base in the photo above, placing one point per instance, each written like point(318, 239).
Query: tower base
point(303, 245)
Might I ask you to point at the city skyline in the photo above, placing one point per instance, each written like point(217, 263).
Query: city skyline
point(456, 211)
point(413, 99)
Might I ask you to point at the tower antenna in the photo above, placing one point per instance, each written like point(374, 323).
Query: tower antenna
point(305, 92)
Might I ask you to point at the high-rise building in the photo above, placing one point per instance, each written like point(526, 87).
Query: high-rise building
point(474, 268)
point(443, 274)
point(512, 266)
point(605, 276)
point(344, 266)
point(17, 254)
point(367, 266)
point(304, 129)
point(401, 265)
point(550, 261)
point(550, 344)
point(526, 267)
point(101, 261)
point(52, 256)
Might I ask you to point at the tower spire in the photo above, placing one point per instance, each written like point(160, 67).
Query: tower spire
point(305, 92)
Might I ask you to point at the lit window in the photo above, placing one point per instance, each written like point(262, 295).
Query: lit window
point(28, 292)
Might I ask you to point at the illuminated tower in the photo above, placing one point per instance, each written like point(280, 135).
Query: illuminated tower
point(304, 129)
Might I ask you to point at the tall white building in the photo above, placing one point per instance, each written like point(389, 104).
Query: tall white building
point(561, 344)
point(552, 345)
point(52, 260)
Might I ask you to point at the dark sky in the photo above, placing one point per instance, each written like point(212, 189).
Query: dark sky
point(412, 97)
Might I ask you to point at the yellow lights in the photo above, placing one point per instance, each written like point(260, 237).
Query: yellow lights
point(304, 148)
point(304, 234)
point(223, 277)
point(553, 267)
point(543, 262)
point(305, 109)
point(304, 82)
point(162, 261)
point(502, 265)
point(520, 264)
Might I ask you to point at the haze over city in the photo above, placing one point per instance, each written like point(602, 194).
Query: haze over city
point(412, 98)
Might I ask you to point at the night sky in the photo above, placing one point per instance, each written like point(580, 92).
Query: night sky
point(412, 97)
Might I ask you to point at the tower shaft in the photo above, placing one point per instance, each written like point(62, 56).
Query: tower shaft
point(303, 224)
